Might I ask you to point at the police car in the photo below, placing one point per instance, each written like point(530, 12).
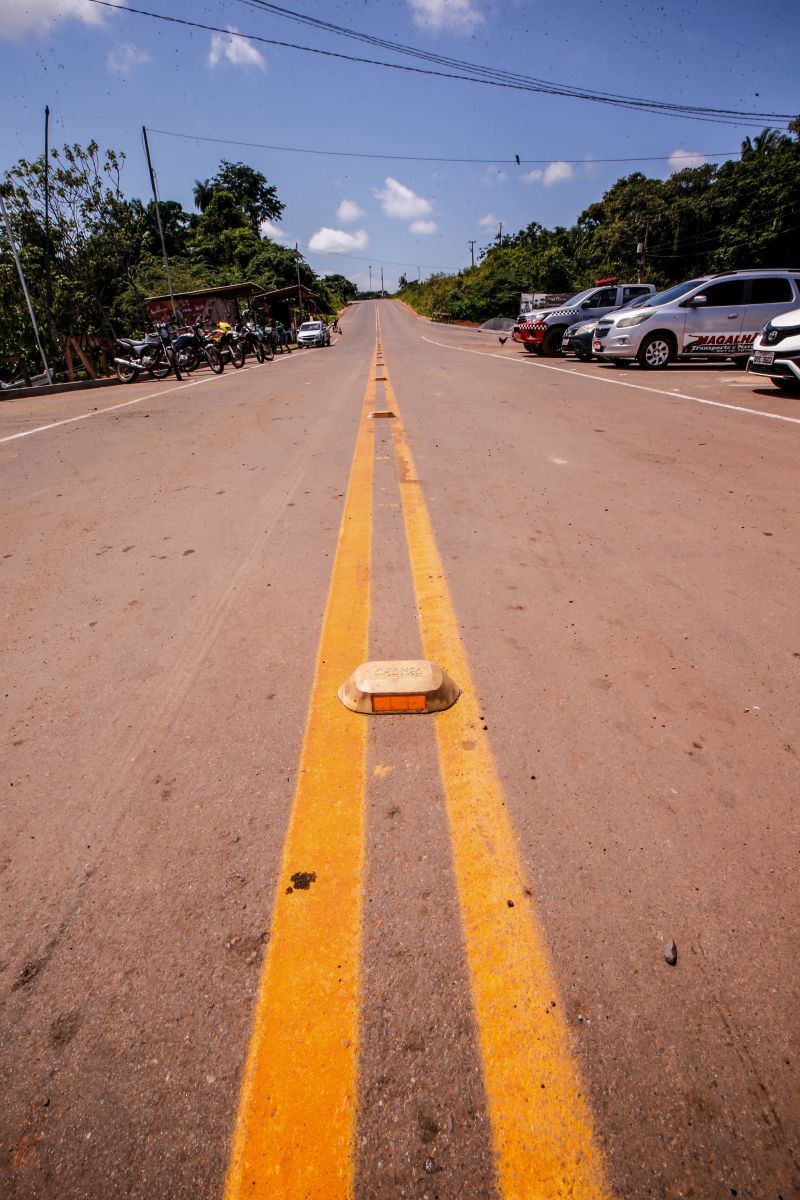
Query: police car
point(713, 316)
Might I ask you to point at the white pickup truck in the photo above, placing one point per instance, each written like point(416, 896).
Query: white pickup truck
point(313, 333)
point(542, 332)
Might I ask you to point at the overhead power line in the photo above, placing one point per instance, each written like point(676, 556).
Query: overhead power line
point(494, 73)
point(196, 137)
point(478, 75)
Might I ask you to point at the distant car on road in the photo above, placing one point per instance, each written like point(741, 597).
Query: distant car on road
point(714, 316)
point(776, 352)
point(313, 333)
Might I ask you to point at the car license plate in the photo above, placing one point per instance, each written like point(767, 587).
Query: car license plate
point(763, 358)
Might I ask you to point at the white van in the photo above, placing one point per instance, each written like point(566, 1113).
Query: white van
point(714, 316)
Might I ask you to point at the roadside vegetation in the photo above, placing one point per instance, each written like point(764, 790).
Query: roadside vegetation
point(745, 213)
point(105, 252)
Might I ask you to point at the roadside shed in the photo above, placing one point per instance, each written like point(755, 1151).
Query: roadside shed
point(292, 305)
point(208, 306)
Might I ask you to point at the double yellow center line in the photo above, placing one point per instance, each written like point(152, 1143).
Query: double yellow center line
point(295, 1132)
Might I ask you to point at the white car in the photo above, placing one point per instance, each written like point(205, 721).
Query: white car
point(313, 333)
point(715, 316)
point(776, 352)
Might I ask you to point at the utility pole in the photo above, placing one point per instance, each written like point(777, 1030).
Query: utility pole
point(472, 252)
point(381, 283)
point(370, 279)
point(48, 278)
point(158, 219)
point(500, 235)
point(641, 250)
point(21, 274)
point(299, 290)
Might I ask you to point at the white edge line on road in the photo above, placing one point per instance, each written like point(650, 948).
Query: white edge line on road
point(98, 412)
point(640, 387)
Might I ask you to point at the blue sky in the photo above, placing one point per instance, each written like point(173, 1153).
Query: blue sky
point(105, 74)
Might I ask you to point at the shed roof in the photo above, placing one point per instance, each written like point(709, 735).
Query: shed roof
point(234, 290)
point(287, 292)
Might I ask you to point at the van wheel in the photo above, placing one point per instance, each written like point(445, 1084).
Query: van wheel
point(551, 346)
point(656, 352)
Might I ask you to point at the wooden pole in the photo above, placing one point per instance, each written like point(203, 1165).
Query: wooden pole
point(158, 219)
point(48, 277)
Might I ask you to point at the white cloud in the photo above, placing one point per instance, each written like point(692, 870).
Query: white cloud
point(235, 49)
point(399, 201)
point(124, 57)
point(348, 211)
point(558, 172)
point(554, 172)
point(338, 240)
point(458, 16)
point(424, 227)
point(269, 229)
point(490, 221)
point(679, 160)
point(38, 16)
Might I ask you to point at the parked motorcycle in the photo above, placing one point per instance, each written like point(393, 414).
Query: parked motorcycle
point(193, 348)
point(228, 344)
point(153, 354)
point(253, 338)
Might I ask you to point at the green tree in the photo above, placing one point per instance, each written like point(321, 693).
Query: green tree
point(94, 238)
point(255, 199)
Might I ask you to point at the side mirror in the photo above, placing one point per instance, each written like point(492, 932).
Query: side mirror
point(697, 301)
point(586, 304)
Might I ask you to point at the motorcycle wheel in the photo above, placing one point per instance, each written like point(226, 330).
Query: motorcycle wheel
point(214, 360)
point(269, 353)
point(259, 351)
point(161, 368)
point(189, 359)
point(237, 357)
point(126, 374)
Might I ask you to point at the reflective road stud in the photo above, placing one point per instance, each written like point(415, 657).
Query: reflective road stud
point(402, 686)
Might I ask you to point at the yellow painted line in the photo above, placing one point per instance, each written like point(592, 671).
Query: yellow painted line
point(294, 1134)
point(542, 1133)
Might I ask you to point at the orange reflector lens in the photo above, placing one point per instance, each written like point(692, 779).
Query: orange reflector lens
point(409, 703)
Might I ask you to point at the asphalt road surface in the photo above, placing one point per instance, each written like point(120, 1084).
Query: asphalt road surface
point(256, 945)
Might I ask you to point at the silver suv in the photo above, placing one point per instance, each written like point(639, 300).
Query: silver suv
point(714, 316)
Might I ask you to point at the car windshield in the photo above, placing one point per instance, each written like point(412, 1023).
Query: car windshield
point(310, 326)
point(674, 293)
point(573, 300)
